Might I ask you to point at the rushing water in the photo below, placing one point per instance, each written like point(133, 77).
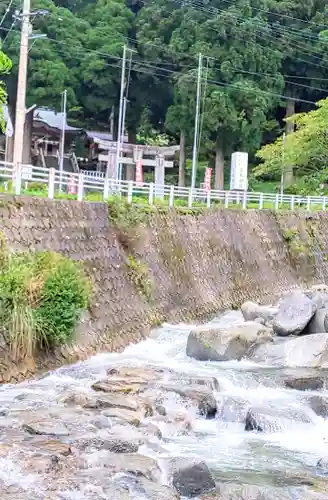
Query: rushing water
point(280, 458)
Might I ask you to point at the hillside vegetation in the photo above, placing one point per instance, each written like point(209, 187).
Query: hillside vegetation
point(263, 60)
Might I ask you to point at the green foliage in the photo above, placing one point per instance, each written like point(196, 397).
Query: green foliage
point(306, 148)
point(290, 233)
point(139, 274)
point(37, 186)
point(41, 297)
point(124, 215)
point(5, 67)
point(64, 295)
point(251, 53)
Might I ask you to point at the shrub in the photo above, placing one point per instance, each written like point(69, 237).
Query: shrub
point(41, 297)
point(37, 186)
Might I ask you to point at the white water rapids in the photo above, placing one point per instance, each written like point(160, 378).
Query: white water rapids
point(233, 455)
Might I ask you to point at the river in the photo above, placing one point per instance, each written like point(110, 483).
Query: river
point(284, 458)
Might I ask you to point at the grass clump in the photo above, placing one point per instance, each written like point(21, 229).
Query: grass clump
point(124, 215)
point(42, 295)
point(139, 275)
point(290, 234)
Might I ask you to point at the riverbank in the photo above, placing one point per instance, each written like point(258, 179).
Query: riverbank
point(148, 266)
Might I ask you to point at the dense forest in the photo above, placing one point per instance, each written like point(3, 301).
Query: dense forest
point(263, 61)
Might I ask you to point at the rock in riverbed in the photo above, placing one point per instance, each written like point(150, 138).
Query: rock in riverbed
point(47, 427)
point(306, 383)
point(294, 313)
point(223, 344)
point(272, 420)
point(308, 351)
point(319, 405)
point(190, 478)
point(252, 311)
point(202, 396)
point(133, 463)
point(319, 322)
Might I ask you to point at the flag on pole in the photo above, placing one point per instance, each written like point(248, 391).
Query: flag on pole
point(9, 124)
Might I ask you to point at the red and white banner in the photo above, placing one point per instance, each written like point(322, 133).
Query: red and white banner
point(207, 180)
point(71, 186)
point(139, 172)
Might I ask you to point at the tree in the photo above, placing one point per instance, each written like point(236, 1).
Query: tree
point(239, 94)
point(306, 148)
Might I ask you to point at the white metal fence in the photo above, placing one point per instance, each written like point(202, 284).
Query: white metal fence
point(53, 183)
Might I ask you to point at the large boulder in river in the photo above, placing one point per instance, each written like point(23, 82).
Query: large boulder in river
point(319, 322)
point(201, 396)
point(319, 295)
point(223, 344)
point(295, 312)
point(306, 382)
point(308, 351)
point(319, 404)
point(252, 311)
point(191, 479)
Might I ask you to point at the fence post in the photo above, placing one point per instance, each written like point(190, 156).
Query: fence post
point(18, 179)
point(208, 199)
point(226, 199)
point(292, 202)
point(171, 201)
point(130, 191)
point(308, 203)
point(261, 201)
point(276, 205)
point(151, 194)
point(324, 203)
point(244, 200)
point(190, 198)
point(80, 187)
point(106, 188)
point(51, 183)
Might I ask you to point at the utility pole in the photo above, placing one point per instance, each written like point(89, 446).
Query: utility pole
point(120, 116)
point(62, 140)
point(122, 135)
point(194, 155)
point(21, 93)
point(282, 180)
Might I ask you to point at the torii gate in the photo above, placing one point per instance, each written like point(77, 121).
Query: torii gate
point(136, 152)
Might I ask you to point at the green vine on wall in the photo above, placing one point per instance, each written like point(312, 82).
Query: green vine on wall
point(300, 242)
point(139, 275)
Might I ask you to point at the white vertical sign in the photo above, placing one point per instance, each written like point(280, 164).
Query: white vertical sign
point(239, 171)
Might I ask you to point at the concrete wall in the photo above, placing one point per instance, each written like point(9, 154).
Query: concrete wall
point(196, 265)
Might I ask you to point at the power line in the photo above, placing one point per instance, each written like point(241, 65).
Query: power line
point(202, 9)
point(6, 12)
point(193, 57)
point(168, 72)
point(272, 76)
point(179, 53)
point(284, 16)
point(155, 66)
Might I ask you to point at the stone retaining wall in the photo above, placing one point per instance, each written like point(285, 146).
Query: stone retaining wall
point(196, 265)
